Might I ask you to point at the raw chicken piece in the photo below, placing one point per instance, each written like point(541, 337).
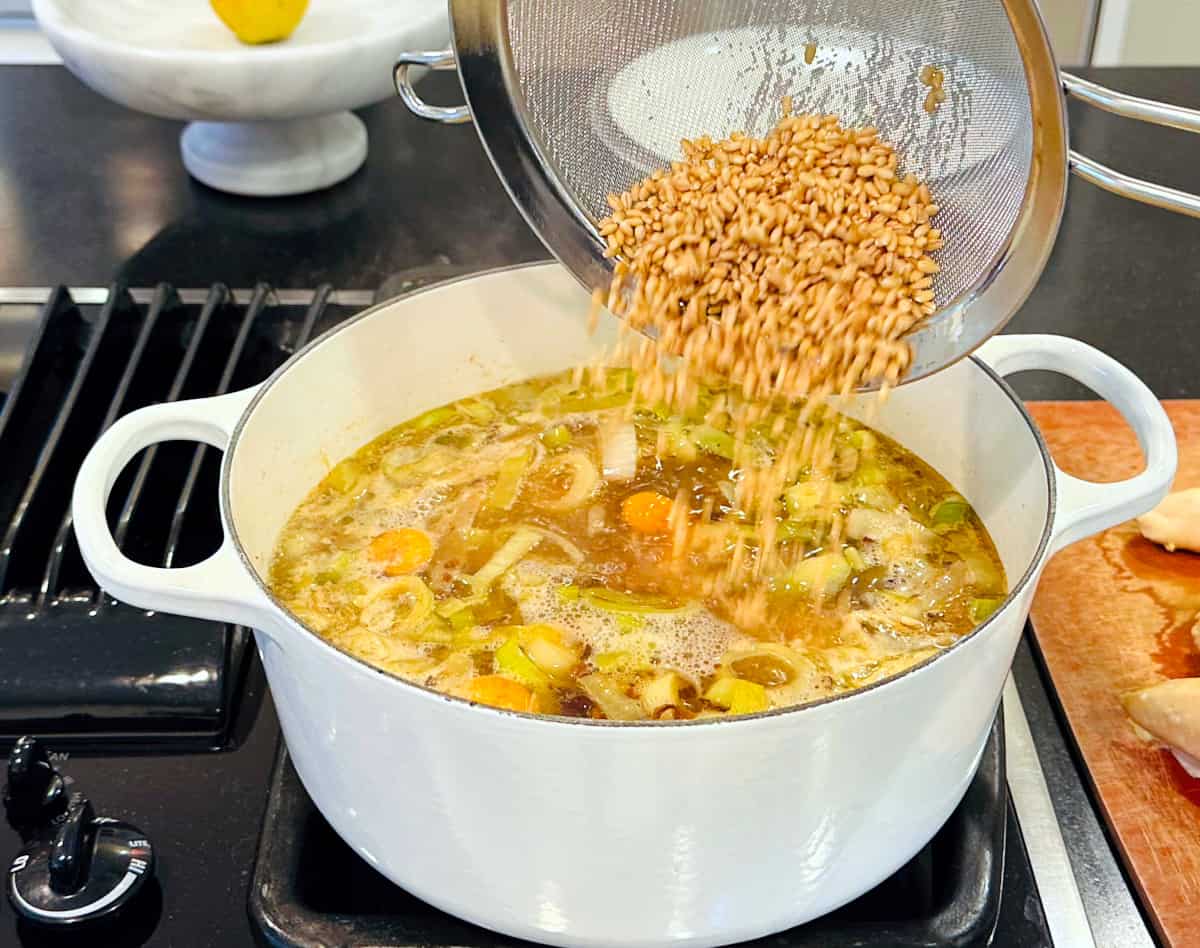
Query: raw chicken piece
point(1170, 712)
point(1175, 523)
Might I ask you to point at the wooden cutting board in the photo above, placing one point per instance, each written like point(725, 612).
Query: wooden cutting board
point(1112, 613)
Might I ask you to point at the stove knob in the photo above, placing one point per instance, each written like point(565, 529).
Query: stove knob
point(36, 793)
point(88, 867)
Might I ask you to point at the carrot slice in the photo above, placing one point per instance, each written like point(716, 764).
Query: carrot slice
point(501, 692)
point(402, 551)
point(647, 511)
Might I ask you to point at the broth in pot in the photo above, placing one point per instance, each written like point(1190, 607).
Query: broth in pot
point(521, 549)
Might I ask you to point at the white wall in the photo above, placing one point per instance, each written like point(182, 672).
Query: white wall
point(1070, 24)
point(1148, 33)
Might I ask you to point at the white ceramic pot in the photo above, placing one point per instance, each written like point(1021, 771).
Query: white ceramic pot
point(578, 832)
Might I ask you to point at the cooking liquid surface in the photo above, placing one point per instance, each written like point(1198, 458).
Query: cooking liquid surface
point(597, 614)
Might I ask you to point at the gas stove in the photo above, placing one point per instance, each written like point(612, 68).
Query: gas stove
point(165, 724)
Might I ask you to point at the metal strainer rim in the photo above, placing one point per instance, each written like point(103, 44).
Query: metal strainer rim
point(491, 86)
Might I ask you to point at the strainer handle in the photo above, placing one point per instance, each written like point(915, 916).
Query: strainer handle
point(1142, 110)
point(430, 59)
point(1131, 106)
point(1145, 192)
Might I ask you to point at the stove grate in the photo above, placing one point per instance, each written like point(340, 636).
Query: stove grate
point(78, 664)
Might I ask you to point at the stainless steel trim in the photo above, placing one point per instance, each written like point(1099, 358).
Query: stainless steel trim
point(97, 295)
point(430, 59)
point(1131, 106)
point(1135, 189)
point(1063, 905)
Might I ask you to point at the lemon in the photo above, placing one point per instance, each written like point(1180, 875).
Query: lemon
point(260, 21)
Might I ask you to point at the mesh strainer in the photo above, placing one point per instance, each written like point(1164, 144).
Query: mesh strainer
point(575, 99)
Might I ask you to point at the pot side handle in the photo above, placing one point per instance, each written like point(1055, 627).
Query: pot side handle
point(1086, 507)
point(219, 587)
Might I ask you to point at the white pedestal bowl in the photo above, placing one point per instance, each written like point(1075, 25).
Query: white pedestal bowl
point(265, 120)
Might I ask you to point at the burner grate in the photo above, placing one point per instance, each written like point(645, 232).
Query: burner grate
point(78, 664)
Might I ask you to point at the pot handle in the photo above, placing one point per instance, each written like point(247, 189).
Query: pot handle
point(1086, 507)
point(217, 588)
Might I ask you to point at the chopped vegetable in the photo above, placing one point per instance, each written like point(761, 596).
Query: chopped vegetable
point(874, 495)
point(676, 443)
point(344, 475)
point(501, 692)
point(819, 576)
point(854, 558)
point(764, 669)
point(556, 660)
point(869, 472)
point(808, 497)
point(406, 465)
point(479, 410)
point(401, 608)
point(572, 552)
point(647, 512)
point(511, 660)
point(713, 441)
point(515, 548)
point(433, 418)
point(556, 436)
point(544, 645)
point(565, 398)
point(791, 531)
point(584, 479)
point(737, 696)
point(661, 693)
point(950, 511)
point(864, 440)
point(613, 600)
point(508, 480)
point(845, 462)
point(609, 698)
point(448, 607)
point(619, 452)
point(986, 575)
point(864, 523)
point(568, 593)
point(401, 551)
point(336, 571)
point(983, 607)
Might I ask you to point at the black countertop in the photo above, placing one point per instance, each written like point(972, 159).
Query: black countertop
point(91, 193)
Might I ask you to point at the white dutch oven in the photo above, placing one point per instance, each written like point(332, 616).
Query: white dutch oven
point(589, 833)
